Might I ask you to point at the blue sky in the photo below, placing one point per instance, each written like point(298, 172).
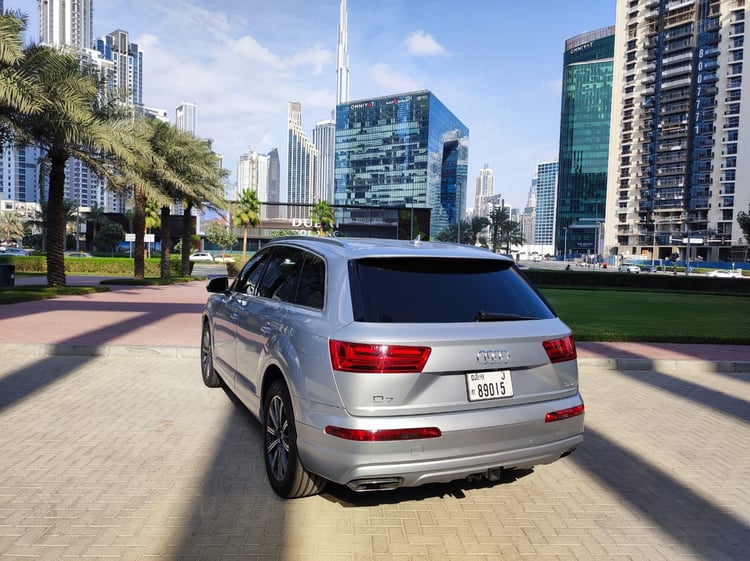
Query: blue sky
point(496, 64)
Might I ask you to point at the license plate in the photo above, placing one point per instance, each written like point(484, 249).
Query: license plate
point(489, 385)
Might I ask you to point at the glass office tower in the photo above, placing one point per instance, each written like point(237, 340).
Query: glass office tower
point(584, 142)
point(406, 152)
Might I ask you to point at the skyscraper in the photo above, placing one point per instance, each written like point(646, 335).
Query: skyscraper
point(485, 190)
point(62, 22)
point(252, 175)
point(405, 151)
point(679, 161)
point(546, 194)
point(584, 141)
point(342, 57)
point(186, 117)
point(274, 183)
point(126, 75)
point(302, 160)
point(324, 138)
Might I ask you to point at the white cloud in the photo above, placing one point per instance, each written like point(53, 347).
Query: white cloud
point(392, 80)
point(420, 43)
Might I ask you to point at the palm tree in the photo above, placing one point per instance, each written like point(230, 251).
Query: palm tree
point(41, 219)
point(478, 226)
point(322, 214)
point(18, 91)
point(451, 233)
point(246, 214)
point(11, 227)
point(74, 121)
point(97, 218)
point(505, 232)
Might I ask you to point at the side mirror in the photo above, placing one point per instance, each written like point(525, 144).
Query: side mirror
point(218, 285)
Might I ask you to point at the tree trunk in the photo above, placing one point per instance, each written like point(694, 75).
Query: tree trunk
point(139, 225)
point(165, 263)
point(187, 239)
point(244, 243)
point(56, 220)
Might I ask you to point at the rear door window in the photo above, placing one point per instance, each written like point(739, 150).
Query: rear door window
point(427, 290)
point(281, 275)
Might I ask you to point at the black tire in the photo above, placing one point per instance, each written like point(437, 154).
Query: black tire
point(288, 477)
point(210, 377)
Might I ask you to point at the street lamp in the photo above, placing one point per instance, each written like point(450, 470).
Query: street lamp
point(565, 228)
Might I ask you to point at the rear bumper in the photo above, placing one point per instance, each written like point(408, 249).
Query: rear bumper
point(472, 443)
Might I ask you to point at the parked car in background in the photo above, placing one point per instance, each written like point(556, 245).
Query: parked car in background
point(201, 256)
point(629, 269)
point(17, 251)
point(378, 364)
point(224, 258)
point(77, 254)
point(725, 274)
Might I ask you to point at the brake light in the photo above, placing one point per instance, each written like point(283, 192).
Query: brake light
point(360, 435)
point(564, 414)
point(361, 357)
point(561, 350)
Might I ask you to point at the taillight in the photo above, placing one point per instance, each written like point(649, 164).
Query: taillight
point(360, 435)
point(561, 350)
point(564, 414)
point(361, 357)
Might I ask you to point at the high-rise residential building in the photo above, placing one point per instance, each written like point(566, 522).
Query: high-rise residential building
point(342, 57)
point(485, 190)
point(546, 195)
point(252, 175)
point(404, 151)
point(126, 76)
point(302, 161)
point(186, 117)
point(67, 23)
point(679, 160)
point(324, 139)
point(584, 141)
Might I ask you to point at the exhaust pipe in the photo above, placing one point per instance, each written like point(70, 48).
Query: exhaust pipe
point(379, 484)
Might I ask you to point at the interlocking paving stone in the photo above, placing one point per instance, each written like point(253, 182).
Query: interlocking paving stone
point(131, 457)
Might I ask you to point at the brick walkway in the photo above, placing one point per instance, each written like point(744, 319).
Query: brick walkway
point(112, 448)
point(132, 458)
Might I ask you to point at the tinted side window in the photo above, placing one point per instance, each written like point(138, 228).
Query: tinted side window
point(427, 290)
point(247, 280)
point(281, 275)
point(311, 289)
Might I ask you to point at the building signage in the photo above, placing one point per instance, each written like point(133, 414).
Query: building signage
point(579, 48)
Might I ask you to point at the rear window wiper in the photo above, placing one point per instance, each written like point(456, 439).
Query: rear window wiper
point(481, 315)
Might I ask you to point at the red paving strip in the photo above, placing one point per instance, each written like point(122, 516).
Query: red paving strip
point(169, 316)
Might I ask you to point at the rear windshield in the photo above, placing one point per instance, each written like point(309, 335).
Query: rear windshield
point(423, 290)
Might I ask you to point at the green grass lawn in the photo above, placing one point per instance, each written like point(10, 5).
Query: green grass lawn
point(666, 317)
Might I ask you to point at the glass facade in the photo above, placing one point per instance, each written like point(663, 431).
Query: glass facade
point(546, 189)
point(406, 151)
point(584, 142)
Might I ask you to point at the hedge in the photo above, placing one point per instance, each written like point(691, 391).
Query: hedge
point(118, 266)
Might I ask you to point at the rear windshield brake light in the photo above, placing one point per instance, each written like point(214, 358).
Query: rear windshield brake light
point(365, 357)
point(561, 350)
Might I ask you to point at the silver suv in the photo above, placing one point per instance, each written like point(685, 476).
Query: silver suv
point(380, 363)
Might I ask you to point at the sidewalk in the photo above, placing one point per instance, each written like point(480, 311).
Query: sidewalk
point(165, 320)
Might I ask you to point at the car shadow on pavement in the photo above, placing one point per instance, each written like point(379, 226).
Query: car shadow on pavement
point(703, 396)
point(708, 530)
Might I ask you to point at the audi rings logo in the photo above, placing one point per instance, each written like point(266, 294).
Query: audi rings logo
point(493, 357)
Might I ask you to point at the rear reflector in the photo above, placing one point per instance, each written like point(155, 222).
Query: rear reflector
point(360, 435)
point(561, 350)
point(361, 357)
point(564, 414)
